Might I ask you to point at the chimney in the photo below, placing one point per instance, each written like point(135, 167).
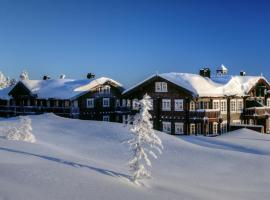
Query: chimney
point(90, 75)
point(62, 76)
point(242, 73)
point(46, 77)
point(205, 72)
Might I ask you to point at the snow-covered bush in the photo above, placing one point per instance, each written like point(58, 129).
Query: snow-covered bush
point(23, 132)
point(144, 141)
point(24, 75)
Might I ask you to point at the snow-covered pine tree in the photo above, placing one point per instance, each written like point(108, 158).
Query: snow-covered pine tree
point(144, 141)
point(4, 82)
point(25, 130)
point(24, 75)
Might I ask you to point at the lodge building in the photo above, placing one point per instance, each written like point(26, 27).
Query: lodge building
point(183, 103)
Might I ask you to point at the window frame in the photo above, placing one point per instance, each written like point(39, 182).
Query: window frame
point(180, 102)
point(180, 126)
point(103, 102)
point(168, 104)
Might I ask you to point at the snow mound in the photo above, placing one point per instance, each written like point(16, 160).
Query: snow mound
point(76, 159)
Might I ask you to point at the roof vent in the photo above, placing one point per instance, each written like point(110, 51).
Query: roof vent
point(205, 72)
point(90, 75)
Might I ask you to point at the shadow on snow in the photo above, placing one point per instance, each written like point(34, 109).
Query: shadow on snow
point(70, 163)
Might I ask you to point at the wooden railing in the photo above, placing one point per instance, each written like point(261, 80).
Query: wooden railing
point(205, 114)
point(256, 111)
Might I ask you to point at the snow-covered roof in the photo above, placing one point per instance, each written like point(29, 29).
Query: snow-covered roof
point(64, 88)
point(205, 87)
point(4, 93)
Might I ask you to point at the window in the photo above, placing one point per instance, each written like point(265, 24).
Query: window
point(166, 104)
point(192, 129)
point(178, 104)
point(179, 128)
point(216, 104)
point(106, 118)
point(152, 104)
point(66, 103)
point(192, 106)
point(233, 105)
point(106, 102)
point(128, 103)
point(268, 102)
point(161, 87)
point(223, 106)
point(106, 89)
point(135, 104)
point(90, 103)
point(124, 103)
point(215, 128)
point(251, 122)
point(223, 127)
point(56, 103)
point(117, 103)
point(240, 105)
point(166, 127)
point(75, 104)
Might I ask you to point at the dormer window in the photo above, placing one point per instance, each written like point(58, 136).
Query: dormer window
point(161, 87)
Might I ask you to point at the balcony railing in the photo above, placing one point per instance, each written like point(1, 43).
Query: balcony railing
point(256, 111)
point(205, 114)
point(13, 110)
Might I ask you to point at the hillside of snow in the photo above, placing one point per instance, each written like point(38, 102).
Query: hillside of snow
point(75, 159)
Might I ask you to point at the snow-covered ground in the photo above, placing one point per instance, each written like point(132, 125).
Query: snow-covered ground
point(76, 159)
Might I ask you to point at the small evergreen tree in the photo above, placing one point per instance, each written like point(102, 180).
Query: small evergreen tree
point(143, 141)
point(24, 75)
point(22, 131)
point(25, 130)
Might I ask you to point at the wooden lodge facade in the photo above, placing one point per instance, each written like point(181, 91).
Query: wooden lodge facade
point(99, 101)
point(182, 103)
point(177, 110)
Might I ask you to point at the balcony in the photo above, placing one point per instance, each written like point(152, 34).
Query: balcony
point(16, 110)
point(205, 114)
point(256, 112)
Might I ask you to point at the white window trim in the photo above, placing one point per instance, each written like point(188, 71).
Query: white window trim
point(103, 102)
point(90, 105)
point(167, 127)
point(106, 118)
point(268, 102)
point(181, 128)
point(238, 109)
point(179, 102)
point(192, 128)
point(192, 106)
point(218, 104)
point(161, 87)
point(165, 102)
point(233, 102)
point(223, 111)
point(215, 128)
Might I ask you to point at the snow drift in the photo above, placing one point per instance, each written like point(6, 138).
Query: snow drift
point(74, 159)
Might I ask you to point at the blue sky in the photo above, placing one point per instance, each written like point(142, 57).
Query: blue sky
point(131, 39)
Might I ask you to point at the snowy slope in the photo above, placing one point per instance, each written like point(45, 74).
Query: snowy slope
point(76, 159)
